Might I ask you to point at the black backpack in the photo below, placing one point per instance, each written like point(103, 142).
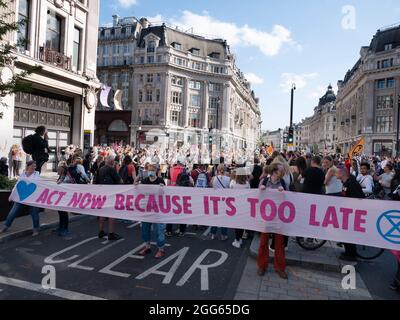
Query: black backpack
point(183, 180)
point(27, 144)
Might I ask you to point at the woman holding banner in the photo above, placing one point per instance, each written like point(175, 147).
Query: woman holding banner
point(30, 173)
point(274, 181)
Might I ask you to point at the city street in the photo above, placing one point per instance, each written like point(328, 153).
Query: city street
point(195, 266)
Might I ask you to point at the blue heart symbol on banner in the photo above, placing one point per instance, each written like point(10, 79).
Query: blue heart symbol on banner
point(25, 190)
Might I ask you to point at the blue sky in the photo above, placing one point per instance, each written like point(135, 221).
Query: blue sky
point(312, 43)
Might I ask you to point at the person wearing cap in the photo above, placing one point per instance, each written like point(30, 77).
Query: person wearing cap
point(30, 173)
point(3, 167)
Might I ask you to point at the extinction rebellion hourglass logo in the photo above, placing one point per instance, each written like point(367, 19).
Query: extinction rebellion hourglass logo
point(388, 226)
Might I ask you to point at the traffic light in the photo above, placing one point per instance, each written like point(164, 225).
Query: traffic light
point(291, 135)
point(210, 139)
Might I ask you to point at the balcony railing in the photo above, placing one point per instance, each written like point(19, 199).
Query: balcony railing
point(55, 58)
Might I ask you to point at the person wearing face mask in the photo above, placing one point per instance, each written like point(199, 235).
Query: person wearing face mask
point(159, 228)
point(273, 181)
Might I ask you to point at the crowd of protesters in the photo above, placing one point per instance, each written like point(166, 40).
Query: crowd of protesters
point(332, 175)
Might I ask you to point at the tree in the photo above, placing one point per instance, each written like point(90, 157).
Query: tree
point(7, 53)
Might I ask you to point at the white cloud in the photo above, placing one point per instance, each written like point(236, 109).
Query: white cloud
point(301, 80)
point(318, 92)
point(269, 43)
point(127, 3)
point(157, 19)
point(253, 78)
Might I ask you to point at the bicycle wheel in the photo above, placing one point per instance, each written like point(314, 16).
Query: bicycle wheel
point(310, 244)
point(369, 253)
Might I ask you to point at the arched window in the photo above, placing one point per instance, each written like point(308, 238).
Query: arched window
point(118, 126)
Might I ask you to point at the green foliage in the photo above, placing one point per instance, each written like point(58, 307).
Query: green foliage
point(6, 183)
point(7, 56)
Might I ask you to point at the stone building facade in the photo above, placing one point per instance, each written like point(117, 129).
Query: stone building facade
point(183, 88)
point(64, 92)
point(368, 97)
point(318, 132)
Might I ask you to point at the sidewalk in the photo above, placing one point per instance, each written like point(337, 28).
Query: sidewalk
point(313, 275)
point(22, 226)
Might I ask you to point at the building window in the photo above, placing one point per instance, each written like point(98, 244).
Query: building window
point(23, 19)
point(381, 84)
point(141, 60)
point(217, 69)
point(149, 78)
point(180, 61)
point(214, 102)
point(76, 56)
point(175, 116)
point(195, 85)
point(384, 124)
point(177, 97)
point(177, 81)
point(197, 65)
point(149, 96)
point(215, 55)
point(388, 63)
point(159, 58)
point(151, 47)
point(390, 83)
point(177, 46)
point(158, 78)
point(388, 46)
point(140, 96)
point(212, 121)
point(150, 59)
point(215, 87)
point(194, 120)
point(195, 100)
point(195, 52)
point(53, 33)
point(385, 102)
point(158, 95)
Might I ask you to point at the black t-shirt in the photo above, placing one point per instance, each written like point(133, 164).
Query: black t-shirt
point(108, 175)
point(313, 180)
point(257, 172)
point(157, 181)
point(352, 189)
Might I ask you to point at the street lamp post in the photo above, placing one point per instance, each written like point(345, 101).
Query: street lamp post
point(291, 104)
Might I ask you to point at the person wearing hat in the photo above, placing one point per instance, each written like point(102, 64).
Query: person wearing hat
point(3, 167)
point(30, 173)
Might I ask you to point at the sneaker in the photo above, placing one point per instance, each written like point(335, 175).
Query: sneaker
point(236, 244)
point(213, 237)
point(395, 286)
point(181, 234)
point(145, 251)
point(102, 234)
point(245, 236)
point(113, 236)
point(261, 272)
point(282, 274)
point(56, 230)
point(224, 238)
point(168, 234)
point(64, 233)
point(35, 233)
point(160, 254)
point(4, 230)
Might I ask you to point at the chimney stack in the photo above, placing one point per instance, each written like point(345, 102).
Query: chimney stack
point(116, 19)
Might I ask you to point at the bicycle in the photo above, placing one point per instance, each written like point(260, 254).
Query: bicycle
point(363, 252)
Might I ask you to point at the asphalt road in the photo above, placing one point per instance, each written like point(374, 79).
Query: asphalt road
point(378, 275)
point(86, 267)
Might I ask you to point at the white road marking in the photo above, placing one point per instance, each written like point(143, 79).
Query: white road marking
point(65, 294)
point(167, 275)
point(49, 259)
point(205, 234)
point(133, 225)
point(76, 263)
point(131, 254)
point(203, 268)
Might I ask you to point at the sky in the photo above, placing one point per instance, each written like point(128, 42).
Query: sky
point(311, 43)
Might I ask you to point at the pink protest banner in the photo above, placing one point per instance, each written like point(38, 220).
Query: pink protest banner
point(367, 222)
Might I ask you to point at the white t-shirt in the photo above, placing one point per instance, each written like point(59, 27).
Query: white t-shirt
point(366, 182)
point(235, 185)
point(35, 175)
point(386, 179)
